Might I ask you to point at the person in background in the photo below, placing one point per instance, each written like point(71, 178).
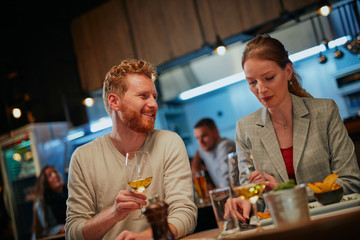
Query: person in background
point(213, 152)
point(50, 203)
point(294, 136)
point(6, 231)
point(100, 204)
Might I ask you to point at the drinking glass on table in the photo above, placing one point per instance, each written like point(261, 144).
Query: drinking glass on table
point(239, 165)
point(200, 185)
point(224, 211)
point(138, 171)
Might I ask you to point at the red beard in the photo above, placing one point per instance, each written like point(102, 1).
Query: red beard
point(135, 121)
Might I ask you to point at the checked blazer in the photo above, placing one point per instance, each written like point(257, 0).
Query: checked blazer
point(321, 144)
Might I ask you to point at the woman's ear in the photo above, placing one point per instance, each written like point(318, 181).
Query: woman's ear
point(114, 101)
point(289, 70)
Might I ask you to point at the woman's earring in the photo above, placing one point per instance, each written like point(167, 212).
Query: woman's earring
point(290, 82)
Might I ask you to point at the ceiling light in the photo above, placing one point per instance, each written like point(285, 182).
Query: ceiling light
point(237, 77)
point(17, 157)
point(220, 48)
point(89, 101)
point(338, 54)
point(322, 59)
point(325, 8)
point(16, 112)
point(101, 124)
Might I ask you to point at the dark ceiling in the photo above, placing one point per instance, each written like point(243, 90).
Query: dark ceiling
point(38, 70)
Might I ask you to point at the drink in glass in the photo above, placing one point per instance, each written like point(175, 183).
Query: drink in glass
point(138, 171)
point(200, 186)
point(240, 168)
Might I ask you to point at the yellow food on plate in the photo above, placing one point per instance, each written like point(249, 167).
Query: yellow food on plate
point(328, 181)
point(315, 188)
point(264, 215)
point(327, 185)
point(318, 184)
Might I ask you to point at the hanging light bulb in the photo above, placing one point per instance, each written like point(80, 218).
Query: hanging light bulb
point(325, 8)
point(322, 59)
point(220, 48)
point(16, 112)
point(325, 42)
point(338, 54)
point(88, 102)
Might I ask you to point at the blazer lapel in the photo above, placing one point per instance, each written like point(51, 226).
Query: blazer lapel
point(268, 139)
point(300, 128)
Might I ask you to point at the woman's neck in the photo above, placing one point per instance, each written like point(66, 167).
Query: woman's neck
point(283, 112)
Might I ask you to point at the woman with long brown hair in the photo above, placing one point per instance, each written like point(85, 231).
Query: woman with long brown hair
point(50, 203)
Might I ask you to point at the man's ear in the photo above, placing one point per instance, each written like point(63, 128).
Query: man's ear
point(114, 101)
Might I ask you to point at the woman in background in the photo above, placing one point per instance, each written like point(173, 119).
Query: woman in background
point(294, 136)
point(50, 203)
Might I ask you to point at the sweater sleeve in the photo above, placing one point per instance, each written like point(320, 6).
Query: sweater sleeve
point(178, 187)
point(79, 203)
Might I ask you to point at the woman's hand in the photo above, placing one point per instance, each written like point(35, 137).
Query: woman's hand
point(270, 181)
point(242, 209)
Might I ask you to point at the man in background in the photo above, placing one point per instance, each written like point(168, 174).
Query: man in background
point(100, 203)
point(213, 151)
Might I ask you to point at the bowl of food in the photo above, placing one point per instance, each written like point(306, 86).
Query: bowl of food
point(327, 192)
point(329, 197)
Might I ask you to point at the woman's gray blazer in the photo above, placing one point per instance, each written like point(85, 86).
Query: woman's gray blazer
point(321, 144)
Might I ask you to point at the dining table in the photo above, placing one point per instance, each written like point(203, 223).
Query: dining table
point(338, 221)
point(59, 236)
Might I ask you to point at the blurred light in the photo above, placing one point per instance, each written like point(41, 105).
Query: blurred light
point(12, 75)
point(322, 59)
point(28, 156)
point(324, 10)
point(220, 48)
point(338, 42)
point(306, 53)
point(194, 92)
point(75, 135)
point(89, 101)
point(17, 157)
point(212, 86)
point(16, 112)
point(338, 54)
point(101, 124)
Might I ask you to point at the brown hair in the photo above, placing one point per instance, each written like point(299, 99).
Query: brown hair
point(206, 122)
point(42, 185)
point(268, 48)
point(115, 79)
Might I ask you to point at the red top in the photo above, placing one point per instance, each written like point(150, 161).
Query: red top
point(287, 154)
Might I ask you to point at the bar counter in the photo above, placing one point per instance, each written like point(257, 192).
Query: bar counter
point(340, 224)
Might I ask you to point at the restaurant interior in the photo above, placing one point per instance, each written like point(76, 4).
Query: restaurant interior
point(55, 56)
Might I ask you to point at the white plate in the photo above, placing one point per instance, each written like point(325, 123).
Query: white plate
point(348, 201)
point(315, 208)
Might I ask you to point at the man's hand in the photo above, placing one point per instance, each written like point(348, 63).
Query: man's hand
point(126, 202)
point(127, 235)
